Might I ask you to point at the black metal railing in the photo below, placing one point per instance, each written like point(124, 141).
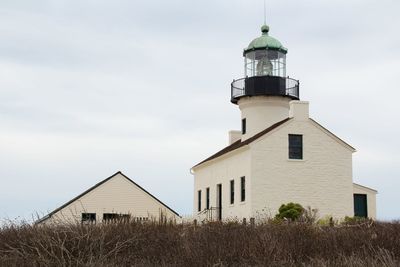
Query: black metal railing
point(210, 214)
point(238, 89)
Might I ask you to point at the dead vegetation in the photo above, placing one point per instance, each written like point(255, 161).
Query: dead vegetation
point(211, 244)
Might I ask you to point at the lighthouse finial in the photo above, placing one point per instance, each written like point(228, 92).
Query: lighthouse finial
point(265, 12)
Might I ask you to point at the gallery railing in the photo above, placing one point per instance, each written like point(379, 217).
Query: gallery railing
point(238, 88)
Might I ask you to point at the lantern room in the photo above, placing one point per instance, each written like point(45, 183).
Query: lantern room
point(265, 56)
point(264, 70)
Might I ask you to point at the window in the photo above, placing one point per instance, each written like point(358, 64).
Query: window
point(295, 146)
point(243, 188)
point(88, 218)
point(140, 219)
point(207, 198)
point(232, 191)
point(115, 217)
point(219, 201)
point(199, 200)
point(244, 126)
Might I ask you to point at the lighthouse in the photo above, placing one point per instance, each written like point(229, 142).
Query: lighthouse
point(264, 93)
point(280, 155)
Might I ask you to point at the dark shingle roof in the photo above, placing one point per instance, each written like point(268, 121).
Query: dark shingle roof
point(239, 143)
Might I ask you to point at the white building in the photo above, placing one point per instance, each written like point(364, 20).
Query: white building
point(113, 199)
point(281, 155)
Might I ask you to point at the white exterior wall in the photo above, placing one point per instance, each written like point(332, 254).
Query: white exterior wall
point(371, 199)
point(117, 195)
point(262, 111)
point(221, 171)
point(322, 180)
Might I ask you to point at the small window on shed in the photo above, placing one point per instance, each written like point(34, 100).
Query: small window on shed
point(140, 219)
point(295, 146)
point(115, 217)
point(88, 218)
point(244, 126)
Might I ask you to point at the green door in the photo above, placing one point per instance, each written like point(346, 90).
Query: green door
point(360, 205)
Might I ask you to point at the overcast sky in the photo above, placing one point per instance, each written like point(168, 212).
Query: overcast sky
point(89, 88)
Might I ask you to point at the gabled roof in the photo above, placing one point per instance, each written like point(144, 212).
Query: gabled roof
point(97, 185)
point(334, 136)
point(239, 143)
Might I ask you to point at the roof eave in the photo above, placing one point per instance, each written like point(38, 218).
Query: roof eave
point(97, 185)
point(240, 144)
point(366, 187)
point(208, 162)
point(280, 49)
point(341, 141)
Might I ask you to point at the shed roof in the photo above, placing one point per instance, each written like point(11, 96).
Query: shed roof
point(366, 187)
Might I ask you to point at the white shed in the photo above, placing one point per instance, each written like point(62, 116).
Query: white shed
point(115, 198)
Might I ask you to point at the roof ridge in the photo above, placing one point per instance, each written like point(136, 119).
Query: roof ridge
point(149, 194)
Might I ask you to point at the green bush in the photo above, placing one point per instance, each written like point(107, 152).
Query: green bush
point(291, 211)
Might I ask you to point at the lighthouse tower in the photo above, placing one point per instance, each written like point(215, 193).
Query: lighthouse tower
point(263, 95)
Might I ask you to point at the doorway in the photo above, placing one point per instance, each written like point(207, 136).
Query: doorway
point(219, 202)
point(360, 205)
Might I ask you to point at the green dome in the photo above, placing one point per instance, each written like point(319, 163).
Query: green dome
point(265, 42)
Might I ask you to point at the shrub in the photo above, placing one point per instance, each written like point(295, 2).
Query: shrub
point(291, 211)
point(326, 221)
point(209, 244)
point(354, 220)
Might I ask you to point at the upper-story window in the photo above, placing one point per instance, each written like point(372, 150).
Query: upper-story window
point(244, 126)
point(295, 146)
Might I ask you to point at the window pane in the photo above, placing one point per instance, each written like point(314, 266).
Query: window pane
point(199, 200)
point(295, 146)
point(265, 62)
point(115, 217)
point(243, 188)
point(232, 191)
point(88, 217)
point(207, 198)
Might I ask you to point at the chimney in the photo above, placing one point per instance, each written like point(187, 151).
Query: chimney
point(299, 110)
point(234, 136)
